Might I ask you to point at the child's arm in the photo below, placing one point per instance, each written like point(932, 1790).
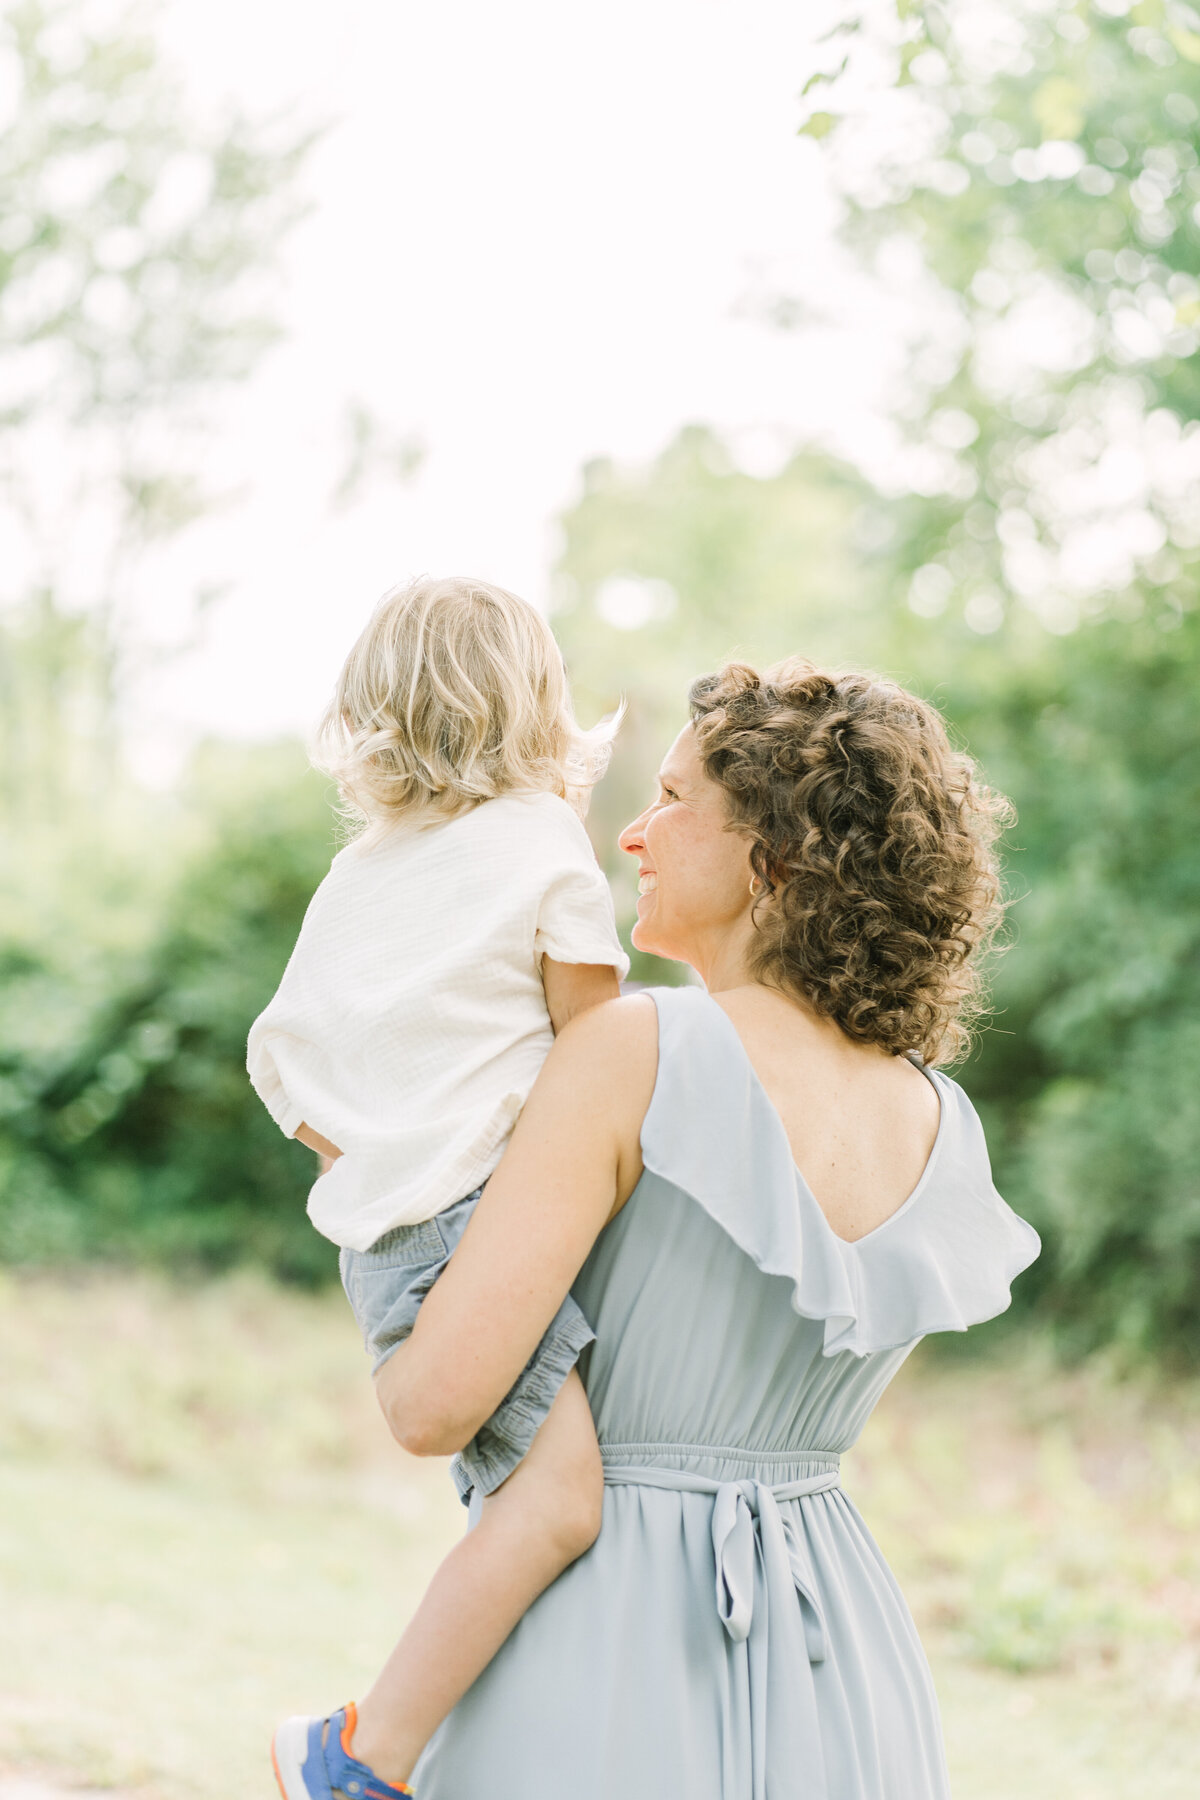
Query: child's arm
point(572, 987)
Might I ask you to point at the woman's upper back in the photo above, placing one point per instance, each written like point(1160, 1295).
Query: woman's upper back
point(861, 1123)
point(729, 1312)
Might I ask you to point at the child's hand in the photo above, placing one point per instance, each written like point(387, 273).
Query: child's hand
point(312, 1140)
point(572, 987)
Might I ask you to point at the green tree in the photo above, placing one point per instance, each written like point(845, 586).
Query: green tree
point(139, 934)
point(1040, 168)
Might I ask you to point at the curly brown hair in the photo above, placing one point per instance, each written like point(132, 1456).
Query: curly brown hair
point(875, 841)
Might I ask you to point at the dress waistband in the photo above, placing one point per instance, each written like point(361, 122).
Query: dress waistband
point(723, 1462)
point(760, 1555)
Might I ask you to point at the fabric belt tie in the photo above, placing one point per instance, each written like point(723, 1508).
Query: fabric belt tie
point(760, 1553)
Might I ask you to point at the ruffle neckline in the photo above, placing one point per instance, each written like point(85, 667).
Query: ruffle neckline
point(943, 1261)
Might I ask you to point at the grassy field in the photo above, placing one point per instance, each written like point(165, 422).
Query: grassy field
point(204, 1525)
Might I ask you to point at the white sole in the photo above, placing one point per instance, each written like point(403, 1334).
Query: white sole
point(289, 1748)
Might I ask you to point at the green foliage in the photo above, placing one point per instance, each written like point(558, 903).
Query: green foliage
point(140, 936)
point(1037, 582)
point(1090, 1078)
point(1045, 167)
point(195, 1166)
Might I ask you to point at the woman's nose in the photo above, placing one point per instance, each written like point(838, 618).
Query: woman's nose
point(631, 839)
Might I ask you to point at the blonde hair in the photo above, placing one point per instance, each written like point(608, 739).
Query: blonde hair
point(455, 693)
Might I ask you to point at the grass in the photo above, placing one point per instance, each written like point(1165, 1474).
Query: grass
point(204, 1525)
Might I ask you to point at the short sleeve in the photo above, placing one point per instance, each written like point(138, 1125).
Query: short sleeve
point(263, 1069)
point(575, 920)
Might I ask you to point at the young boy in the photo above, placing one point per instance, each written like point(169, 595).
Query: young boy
point(448, 943)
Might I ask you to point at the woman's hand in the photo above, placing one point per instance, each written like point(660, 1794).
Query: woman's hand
point(573, 1161)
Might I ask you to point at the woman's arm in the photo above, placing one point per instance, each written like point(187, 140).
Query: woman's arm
point(574, 1160)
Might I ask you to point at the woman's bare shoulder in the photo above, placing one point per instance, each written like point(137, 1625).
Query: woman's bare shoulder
point(622, 1032)
point(607, 1061)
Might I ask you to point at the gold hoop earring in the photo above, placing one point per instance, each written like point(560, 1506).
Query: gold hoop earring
point(756, 887)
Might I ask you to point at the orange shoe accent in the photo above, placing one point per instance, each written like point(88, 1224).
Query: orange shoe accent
point(347, 1739)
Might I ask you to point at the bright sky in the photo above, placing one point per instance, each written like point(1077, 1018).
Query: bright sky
point(536, 233)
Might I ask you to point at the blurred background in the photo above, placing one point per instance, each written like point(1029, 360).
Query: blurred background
point(863, 332)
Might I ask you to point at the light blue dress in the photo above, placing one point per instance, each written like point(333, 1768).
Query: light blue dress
point(734, 1633)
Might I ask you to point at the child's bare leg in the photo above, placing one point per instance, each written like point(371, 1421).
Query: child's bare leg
point(545, 1515)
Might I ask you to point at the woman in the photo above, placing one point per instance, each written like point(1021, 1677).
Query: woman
point(762, 1196)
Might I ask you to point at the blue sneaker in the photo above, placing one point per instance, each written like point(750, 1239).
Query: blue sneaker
point(313, 1762)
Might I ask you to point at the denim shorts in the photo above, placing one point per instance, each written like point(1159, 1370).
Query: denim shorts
point(386, 1285)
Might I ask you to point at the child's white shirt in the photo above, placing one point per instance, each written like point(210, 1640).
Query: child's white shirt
point(411, 1020)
